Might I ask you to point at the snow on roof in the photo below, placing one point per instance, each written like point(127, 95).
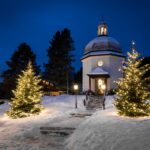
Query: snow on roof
point(98, 71)
point(101, 53)
point(103, 43)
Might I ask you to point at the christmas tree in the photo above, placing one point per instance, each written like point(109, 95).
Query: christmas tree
point(18, 62)
point(27, 95)
point(132, 91)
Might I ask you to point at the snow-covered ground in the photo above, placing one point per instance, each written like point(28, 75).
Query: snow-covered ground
point(24, 133)
point(104, 130)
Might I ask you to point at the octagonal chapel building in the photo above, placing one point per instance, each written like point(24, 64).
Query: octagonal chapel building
point(101, 62)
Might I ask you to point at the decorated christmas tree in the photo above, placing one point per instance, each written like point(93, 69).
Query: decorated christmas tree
point(132, 92)
point(27, 95)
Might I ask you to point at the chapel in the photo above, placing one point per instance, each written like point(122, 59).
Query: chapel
point(102, 59)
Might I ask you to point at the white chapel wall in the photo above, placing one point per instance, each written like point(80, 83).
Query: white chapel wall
point(105, 60)
point(115, 65)
point(86, 65)
point(111, 64)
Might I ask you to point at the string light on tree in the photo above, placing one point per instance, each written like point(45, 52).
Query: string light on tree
point(27, 96)
point(132, 91)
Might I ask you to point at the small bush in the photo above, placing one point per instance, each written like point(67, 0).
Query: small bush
point(111, 92)
point(2, 102)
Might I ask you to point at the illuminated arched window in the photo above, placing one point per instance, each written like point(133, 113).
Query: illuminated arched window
point(102, 29)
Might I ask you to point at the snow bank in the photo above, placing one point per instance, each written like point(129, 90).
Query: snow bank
point(63, 100)
point(55, 106)
point(105, 130)
point(24, 133)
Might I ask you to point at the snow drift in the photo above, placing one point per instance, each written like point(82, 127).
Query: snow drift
point(105, 130)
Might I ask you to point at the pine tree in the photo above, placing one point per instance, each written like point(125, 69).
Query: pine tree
point(53, 69)
point(59, 67)
point(132, 91)
point(17, 62)
point(27, 95)
point(78, 77)
point(68, 57)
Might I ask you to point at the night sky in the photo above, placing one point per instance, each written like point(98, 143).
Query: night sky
point(35, 22)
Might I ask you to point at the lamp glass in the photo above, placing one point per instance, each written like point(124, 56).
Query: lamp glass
point(75, 87)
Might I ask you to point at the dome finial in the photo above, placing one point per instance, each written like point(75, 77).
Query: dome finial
point(102, 28)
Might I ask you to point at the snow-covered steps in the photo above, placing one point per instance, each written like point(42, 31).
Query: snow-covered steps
point(95, 102)
point(82, 115)
point(60, 131)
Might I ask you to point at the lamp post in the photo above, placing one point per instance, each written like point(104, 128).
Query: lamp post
point(76, 87)
point(104, 89)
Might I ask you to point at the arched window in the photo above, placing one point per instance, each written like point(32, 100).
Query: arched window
point(102, 30)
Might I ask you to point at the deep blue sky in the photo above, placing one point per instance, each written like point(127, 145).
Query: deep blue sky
point(36, 21)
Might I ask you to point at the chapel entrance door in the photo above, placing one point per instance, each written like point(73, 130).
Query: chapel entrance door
point(100, 84)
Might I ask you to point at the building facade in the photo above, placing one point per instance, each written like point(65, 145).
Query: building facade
point(101, 62)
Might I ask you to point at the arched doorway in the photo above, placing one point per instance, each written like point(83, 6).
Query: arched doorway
point(97, 80)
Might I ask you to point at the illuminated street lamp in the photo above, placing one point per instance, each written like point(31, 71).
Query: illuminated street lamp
point(76, 87)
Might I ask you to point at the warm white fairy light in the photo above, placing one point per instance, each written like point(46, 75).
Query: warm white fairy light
point(132, 91)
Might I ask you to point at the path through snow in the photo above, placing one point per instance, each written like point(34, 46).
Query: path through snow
point(104, 130)
point(24, 134)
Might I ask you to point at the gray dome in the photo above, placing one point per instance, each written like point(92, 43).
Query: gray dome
point(103, 43)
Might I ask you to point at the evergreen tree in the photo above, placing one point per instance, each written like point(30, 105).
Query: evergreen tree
point(132, 91)
point(68, 57)
point(27, 95)
point(59, 68)
point(53, 69)
point(78, 78)
point(18, 62)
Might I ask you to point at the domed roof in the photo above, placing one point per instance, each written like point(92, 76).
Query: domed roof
point(103, 43)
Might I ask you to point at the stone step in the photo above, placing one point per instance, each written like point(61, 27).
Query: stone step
point(94, 102)
point(82, 115)
point(60, 131)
